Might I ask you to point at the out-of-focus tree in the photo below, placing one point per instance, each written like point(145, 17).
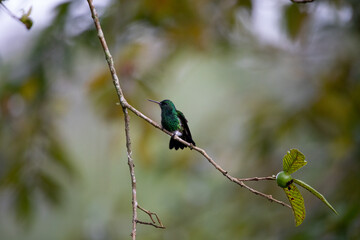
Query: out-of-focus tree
point(30, 146)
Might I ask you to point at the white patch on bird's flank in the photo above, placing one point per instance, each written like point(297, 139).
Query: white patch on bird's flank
point(178, 133)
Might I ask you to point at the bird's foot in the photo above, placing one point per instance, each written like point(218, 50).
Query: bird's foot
point(191, 146)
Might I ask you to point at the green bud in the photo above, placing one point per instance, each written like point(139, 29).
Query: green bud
point(283, 179)
point(26, 21)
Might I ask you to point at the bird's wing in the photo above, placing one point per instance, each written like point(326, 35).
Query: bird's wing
point(186, 133)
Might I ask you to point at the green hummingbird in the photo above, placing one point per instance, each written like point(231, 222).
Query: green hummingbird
point(175, 122)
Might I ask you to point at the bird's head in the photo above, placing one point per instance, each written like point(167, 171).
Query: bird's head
point(164, 104)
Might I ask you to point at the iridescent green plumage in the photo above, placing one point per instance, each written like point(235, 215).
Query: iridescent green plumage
point(175, 122)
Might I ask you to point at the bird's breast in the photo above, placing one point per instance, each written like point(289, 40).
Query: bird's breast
point(170, 123)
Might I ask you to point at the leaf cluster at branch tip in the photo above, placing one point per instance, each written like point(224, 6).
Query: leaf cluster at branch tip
point(293, 161)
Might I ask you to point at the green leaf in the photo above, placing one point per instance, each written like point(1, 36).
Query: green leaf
point(297, 203)
point(316, 193)
point(293, 161)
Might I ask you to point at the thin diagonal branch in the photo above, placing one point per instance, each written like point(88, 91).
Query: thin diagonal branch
point(269, 197)
point(8, 11)
point(108, 56)
point(210, 160)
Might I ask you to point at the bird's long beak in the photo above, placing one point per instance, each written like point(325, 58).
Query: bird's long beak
point(154, 101)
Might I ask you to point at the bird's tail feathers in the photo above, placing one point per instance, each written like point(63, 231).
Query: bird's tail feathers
point(176, 144)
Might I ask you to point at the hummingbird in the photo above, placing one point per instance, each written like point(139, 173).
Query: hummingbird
point(175, 122)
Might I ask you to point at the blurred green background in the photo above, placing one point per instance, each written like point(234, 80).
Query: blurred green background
point(254, 79)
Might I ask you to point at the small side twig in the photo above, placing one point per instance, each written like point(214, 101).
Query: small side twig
point(257, 178)
point(149, 223)
point(150, 214)
point(269, 197)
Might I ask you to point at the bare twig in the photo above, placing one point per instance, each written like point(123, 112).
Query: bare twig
point(159, 225)
point(132, 171)
point(150, 223)
point(269, 197)
point(8, 11)
point(257, 178)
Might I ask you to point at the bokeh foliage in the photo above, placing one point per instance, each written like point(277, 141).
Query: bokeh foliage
point(259, 98)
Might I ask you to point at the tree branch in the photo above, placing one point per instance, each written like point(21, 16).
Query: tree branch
point(302, 1)
point(211, 161)
point(123, 103)
point(257, 178)
point(132, 171)
point(125, 106)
